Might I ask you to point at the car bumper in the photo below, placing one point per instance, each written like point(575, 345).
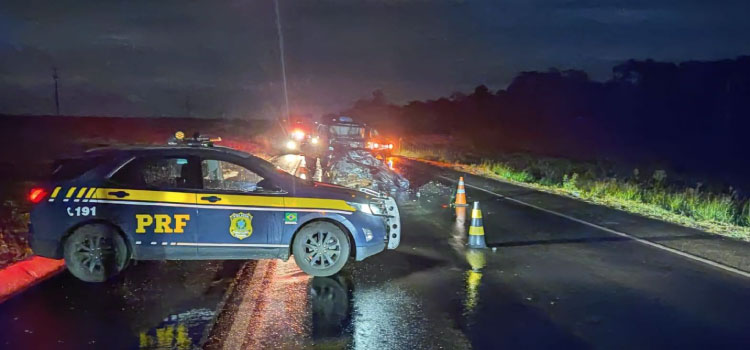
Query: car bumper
point(393, 223)
point(369, 250)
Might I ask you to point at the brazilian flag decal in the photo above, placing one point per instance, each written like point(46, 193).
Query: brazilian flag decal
point(290, 218)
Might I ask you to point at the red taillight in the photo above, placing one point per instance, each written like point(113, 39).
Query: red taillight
point(37, 194)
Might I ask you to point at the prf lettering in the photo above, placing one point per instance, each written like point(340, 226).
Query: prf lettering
point(162, 223)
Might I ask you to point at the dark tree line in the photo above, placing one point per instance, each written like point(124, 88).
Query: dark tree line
point(695, 116)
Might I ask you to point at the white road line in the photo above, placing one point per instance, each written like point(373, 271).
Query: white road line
point(615, 232)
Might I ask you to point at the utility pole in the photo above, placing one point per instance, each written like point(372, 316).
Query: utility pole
point(188, 107)
point(57, 95)
point(283, 62)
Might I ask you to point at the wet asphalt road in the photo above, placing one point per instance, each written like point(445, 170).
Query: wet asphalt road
point(165, 305)
point(551, 283)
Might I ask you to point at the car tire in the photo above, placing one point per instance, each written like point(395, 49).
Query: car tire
point(95, 252)
point(321, 249)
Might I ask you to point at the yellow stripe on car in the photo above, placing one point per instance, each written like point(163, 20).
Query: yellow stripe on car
point(70, 193)
point(146, 195)
point(81, 192)
point(54, 194)
point(242, 200)
point(317, 203)
point(291, 203)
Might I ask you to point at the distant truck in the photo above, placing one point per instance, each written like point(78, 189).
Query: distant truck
point(326, 141)
point(344, 132)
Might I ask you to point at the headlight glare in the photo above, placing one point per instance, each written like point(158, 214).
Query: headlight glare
point(372, 209)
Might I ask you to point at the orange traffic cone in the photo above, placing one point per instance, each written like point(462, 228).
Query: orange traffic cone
point(461, 194)
point(461, 215)
point(476, 230)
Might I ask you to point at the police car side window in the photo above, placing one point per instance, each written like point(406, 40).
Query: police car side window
point(157, 172)
point(226, 176)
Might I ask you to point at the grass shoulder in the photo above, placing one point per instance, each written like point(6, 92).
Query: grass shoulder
point(723, 213)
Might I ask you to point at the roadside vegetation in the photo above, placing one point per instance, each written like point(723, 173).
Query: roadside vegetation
point(14, 220)
point(647, 193)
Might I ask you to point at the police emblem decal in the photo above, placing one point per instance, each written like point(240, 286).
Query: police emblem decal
point(240, 225)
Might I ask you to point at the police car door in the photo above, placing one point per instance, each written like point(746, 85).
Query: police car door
point(237, 218)
point(152, 199)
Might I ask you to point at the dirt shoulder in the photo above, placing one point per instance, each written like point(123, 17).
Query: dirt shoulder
point(726, 251)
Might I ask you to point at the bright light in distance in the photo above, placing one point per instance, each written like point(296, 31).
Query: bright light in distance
point(298, 134)
point(314, 140)
point(390, 146)
point(375, 145)
point(291, 145)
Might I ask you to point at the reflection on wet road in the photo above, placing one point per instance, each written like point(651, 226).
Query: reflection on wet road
point(434, 292)
point(152, 305)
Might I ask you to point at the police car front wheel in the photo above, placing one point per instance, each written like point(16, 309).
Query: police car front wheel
point(321, 249)
point(95, 252)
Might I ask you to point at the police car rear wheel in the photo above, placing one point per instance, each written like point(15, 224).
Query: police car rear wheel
point(95, 252)
point(321, 249)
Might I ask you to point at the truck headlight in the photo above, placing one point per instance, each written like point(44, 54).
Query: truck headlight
point(314, 140)
point(291, 145)
point(298, 134)
point(367, 208)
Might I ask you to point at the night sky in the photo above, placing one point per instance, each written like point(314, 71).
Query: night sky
point(220, 58)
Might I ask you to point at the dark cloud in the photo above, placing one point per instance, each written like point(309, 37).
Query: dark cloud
point(221, 58)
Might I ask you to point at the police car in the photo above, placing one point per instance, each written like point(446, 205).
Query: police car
point(192, 200)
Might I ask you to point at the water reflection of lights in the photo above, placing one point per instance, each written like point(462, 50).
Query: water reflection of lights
point(283, 306)
point(386, 315)
point(458, 231)
point(460, 215)
point(288, 162)
point(476, 259)
point(272, 308)
point(174, 332)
